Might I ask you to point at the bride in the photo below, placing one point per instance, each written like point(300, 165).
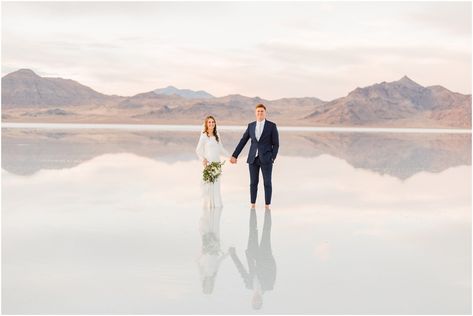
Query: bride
point(209, 149)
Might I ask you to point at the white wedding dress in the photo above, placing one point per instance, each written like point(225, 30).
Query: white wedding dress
point(210, 149)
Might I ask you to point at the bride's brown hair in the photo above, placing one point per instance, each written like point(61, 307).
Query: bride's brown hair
point(215, 128)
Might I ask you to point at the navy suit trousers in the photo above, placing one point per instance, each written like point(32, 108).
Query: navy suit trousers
point(266, 169)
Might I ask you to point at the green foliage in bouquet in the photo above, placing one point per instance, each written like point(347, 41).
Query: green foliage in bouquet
point(212, 171)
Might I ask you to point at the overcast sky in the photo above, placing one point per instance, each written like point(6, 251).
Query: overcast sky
point(266, 49)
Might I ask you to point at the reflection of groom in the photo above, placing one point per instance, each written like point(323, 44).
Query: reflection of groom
point(263, 151)
point(261, 274)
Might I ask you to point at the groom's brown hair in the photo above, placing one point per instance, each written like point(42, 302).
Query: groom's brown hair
point(261, 105)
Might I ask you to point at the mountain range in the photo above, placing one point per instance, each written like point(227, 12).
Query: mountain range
point(28, 97)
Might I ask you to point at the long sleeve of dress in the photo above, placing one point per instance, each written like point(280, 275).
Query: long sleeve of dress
point(200, 150)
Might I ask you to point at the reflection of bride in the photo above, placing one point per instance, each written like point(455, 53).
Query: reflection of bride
point(211, 254)
point(209, 149)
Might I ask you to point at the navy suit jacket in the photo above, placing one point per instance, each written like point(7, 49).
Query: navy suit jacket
point(268, 144)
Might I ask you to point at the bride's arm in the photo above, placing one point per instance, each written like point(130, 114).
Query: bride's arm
point(200, 151)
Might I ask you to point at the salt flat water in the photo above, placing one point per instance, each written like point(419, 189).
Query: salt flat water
point(109, 220)
point(161, 127)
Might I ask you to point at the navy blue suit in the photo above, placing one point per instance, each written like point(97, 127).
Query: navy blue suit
point(268, 146)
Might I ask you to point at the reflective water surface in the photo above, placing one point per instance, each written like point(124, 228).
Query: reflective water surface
point(110, 221)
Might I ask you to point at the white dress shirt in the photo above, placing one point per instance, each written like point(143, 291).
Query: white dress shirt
point(258, 131)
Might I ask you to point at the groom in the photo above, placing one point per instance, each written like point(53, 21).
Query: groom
point(263, 151)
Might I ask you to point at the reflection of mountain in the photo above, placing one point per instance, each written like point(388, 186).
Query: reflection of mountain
point(399, 155)
point(25, 151)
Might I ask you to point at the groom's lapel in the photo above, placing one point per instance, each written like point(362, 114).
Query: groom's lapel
point(253, 130)
point(265, 128)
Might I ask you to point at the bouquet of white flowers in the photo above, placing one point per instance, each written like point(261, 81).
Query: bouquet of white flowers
point(212, 171)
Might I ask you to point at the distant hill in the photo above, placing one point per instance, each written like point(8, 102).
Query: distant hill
point(28, 97)
point(397, 101)
point(24, 88)
point(185, 93)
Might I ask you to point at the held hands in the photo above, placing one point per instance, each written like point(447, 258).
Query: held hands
point(233, 160)
point(205, 162)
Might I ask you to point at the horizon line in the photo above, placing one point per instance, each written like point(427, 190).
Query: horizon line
point(192, 128)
